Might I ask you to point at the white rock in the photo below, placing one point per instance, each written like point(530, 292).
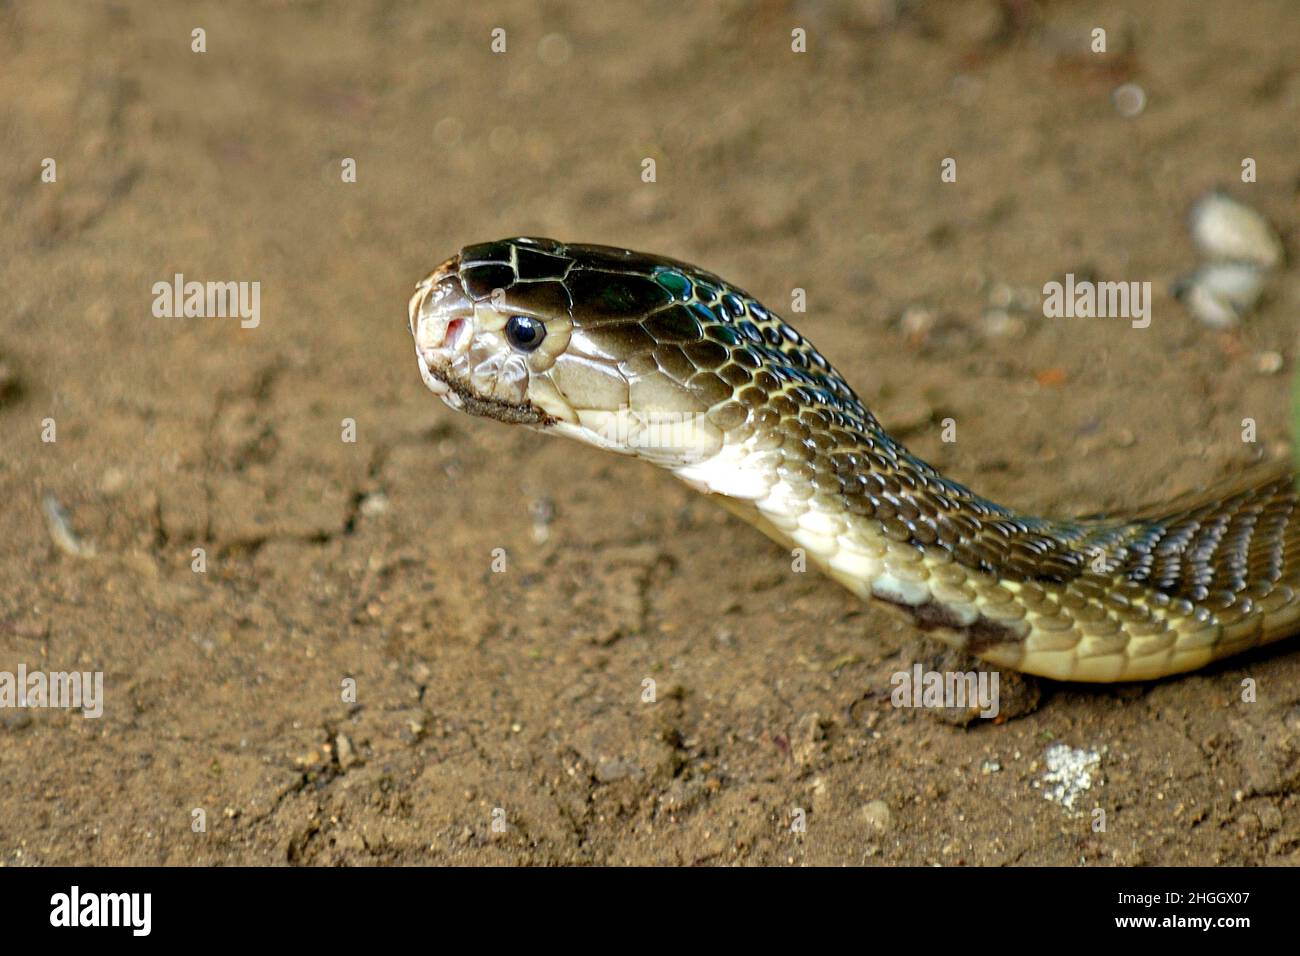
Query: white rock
point(1232, 231)
point(1221, 293)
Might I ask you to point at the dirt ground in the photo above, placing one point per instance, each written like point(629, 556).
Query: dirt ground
point(516, 697)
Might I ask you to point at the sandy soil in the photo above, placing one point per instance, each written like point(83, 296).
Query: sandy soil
point(518, 695)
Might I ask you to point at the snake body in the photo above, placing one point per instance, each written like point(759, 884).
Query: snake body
point(657, 359)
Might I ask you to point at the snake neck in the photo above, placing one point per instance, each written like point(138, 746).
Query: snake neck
point(1073, 599)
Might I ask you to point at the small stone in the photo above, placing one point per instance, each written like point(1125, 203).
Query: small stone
point(60, 527)
point(343, 747)
point(1270, 817)
point(990, 766)
point(1269, 363)
point(1000, 324)
point(112, 482)
point(917, 321)
point(15, 721)
point(542, 511)
point(1221, 294)
point(808, 740)
point(878, 815)
point(1129, 100)
point(1228, 231)
point(1070, 773)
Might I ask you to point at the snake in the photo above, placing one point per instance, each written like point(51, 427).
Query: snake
point(655, 359)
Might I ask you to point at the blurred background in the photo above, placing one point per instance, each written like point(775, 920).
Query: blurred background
point(326, 560)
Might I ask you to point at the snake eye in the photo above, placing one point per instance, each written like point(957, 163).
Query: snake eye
point(524, 332)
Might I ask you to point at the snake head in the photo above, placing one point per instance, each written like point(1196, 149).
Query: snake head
point(629, 352)
point(471, 353)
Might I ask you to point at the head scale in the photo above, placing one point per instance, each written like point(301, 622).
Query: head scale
point(636, 353)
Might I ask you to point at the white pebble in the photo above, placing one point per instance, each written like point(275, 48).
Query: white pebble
point(1221, 293)
point(1226, 229)
point(1130, 100)
point(1269, 363)
point(917, 320)
point(1069, 773)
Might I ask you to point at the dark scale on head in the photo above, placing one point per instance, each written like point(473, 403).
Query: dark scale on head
point(482, 278)
point(535, 264)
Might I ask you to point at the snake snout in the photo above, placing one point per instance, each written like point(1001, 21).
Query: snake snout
point(441, 288)
point(441, 315)
point(441, 319)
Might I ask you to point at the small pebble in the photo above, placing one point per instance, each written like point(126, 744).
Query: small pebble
point(1230, 231)
point(1129, 100)
point(343, 747)
point(1269, 363)
point(67, 540)
point(112, 482)
point(878, 815)
point(1069, 773)
point(1220, 294)
point(917, 321)
point(1000, 324)
point(542, 511)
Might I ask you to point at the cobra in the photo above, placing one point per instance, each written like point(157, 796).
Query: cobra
point(655, 359)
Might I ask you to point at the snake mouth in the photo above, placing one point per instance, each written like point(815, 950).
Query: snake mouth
point(438, 382)
point(457, 395)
